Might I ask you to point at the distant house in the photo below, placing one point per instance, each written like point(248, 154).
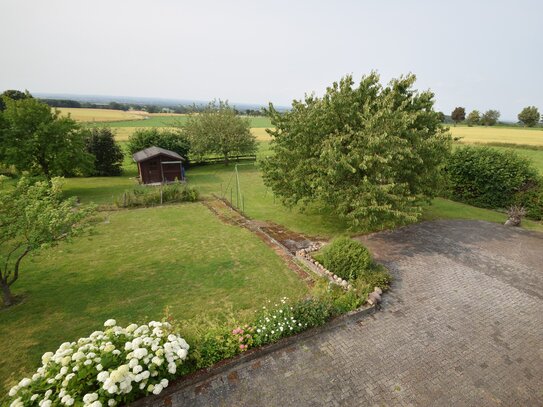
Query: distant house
point(158, 166)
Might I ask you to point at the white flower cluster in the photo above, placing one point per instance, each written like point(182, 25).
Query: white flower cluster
point(276, 322)
point(109, 367)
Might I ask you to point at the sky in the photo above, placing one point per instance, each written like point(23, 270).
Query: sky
point(477, 54)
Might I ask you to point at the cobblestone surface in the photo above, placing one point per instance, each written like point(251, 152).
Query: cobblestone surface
point(462, 326)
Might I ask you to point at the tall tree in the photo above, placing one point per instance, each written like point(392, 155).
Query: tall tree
point(33, 216)
point(474, 118)
point(13, 95)
point(530, 116)
point(458, 115)
point(37, 139)
point(108, 155)
point(490, 117)
point(218, 130)
point(370, 153)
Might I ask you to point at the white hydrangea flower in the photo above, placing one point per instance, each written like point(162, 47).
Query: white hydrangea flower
point(89, 398)
point(110, 322)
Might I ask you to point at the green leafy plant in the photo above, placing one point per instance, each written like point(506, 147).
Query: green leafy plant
point(168, 139)
point(489, 178)
point(144, 196)
point(368, 153)
point(346, 258)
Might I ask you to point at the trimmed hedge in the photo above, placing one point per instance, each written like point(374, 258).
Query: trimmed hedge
point(490, 178)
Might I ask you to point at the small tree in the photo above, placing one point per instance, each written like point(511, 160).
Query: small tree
point(172, 140)
point(33, 216)
point(36, 139)
point(490, 117)
point(474, 118)
point(108, 155)
point(458, 115)
point(442, 117)
point(218, 130)
point(529, 116)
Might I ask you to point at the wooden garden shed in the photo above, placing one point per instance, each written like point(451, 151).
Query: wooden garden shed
point(159, 166)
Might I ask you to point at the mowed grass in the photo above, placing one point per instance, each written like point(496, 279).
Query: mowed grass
point(131, 267)
point(100, 115)
point(493, 134)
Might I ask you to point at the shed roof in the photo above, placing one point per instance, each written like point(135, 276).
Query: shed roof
point(153, 152)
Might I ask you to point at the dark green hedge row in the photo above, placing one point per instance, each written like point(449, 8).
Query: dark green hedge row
point(490, 178)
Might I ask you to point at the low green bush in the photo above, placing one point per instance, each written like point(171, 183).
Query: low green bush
point(346, 258)
point(145, 196)
point(489, 178)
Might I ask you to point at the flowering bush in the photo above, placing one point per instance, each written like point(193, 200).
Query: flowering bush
point(110, 367)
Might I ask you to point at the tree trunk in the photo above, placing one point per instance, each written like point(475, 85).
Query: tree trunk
point(226, 160)
point(7, 297)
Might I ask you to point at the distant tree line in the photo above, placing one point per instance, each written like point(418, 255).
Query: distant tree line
point(179, 109)
point(529, 117)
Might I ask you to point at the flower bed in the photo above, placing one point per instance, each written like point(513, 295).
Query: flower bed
point(110, 367)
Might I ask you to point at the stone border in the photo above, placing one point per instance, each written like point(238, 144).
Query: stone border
point(304, 256)
point(203, 375)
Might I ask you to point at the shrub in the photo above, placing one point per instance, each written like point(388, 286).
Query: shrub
point(151, 196)
point(172, 140)
point(108, 155)
point(107, 368)
point(346, 258)
point(532, 200)
point(490, 178)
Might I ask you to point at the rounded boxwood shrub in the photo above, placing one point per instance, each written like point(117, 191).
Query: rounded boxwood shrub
point(487, 177)
point(346, 258)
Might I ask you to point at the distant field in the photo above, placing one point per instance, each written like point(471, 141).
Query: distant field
point(100, 115)
point(123, 133)
point(169, 120)
point(478, 134)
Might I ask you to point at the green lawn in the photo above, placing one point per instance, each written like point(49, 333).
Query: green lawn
point(135, 264)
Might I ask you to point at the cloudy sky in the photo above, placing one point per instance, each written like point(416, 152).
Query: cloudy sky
point(477, 54)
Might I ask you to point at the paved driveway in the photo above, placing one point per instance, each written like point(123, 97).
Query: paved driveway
point(462, 325)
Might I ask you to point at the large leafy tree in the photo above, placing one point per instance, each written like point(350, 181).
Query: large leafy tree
point(458, 114)
point(370, 153)
point(37, 139)
point(170, 139)
point(108, 155)
point(13, 95)
point(218, 130)
point(529, 116)
point(474, 118)
point(33, 216)
point(490, 117)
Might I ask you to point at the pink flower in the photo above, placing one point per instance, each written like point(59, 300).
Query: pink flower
point(241, 338)
point(241, 347)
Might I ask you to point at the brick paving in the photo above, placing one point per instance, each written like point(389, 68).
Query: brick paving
point(461, 326)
